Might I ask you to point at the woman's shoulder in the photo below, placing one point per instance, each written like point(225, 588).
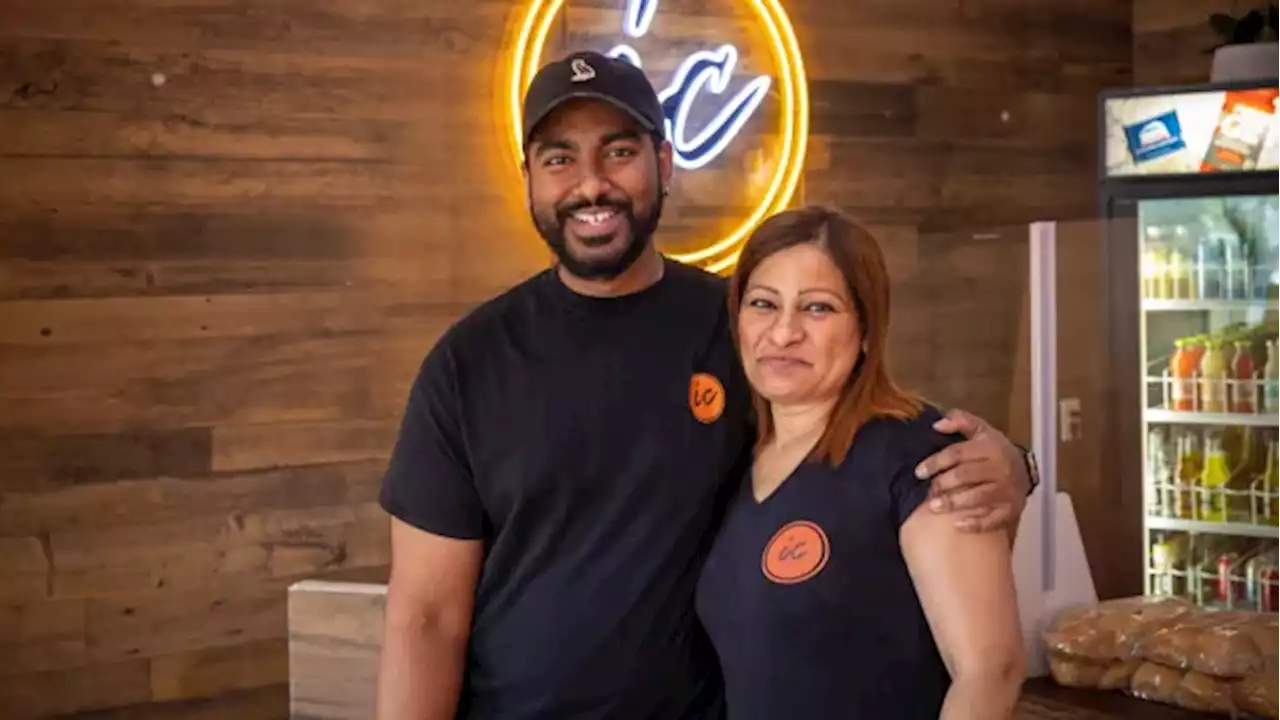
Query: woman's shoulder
point(897, 441)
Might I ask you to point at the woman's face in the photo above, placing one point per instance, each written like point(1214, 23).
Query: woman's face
point(799, 335)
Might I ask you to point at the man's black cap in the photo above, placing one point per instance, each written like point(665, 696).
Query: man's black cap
point(588, 74)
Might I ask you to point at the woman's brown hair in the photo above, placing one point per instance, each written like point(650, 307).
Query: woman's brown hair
point(869, 392)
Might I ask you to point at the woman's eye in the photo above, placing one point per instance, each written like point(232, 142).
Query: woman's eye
point(819, 307)
point(760, 304)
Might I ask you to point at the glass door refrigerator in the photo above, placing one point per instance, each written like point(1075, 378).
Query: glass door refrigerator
point(1189, 203)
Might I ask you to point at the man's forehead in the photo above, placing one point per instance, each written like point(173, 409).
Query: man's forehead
point(584, 116)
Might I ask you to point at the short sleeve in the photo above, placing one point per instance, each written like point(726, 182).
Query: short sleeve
point(428, 483)
point(912, 442)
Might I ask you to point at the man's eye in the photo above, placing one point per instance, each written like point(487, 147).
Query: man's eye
point(623, 152)
point(555, 160)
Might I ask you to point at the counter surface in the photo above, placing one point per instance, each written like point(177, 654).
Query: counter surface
point(335, 633)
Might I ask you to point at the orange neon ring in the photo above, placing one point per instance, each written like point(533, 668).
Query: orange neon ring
point(720, 255)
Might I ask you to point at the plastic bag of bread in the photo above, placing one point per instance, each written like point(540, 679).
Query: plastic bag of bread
point(1219, 643)
point(1256, 694)
point(1111, 629)
point(1238, 645)
point(1092, 674)
point(1157, 683)
point(1205, 693)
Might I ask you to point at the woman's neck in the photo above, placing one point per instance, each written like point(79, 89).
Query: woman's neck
point(801, 422)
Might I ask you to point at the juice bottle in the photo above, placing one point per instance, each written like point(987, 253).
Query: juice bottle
point(1178, 283)
point(1213, 480)
point(1213, 378)
point(1244, 389)
point(1242, 457)
point(1190, 465)
point(1270, 509)
point(1180, 386)
point(1271, 396)
point(1160, 475)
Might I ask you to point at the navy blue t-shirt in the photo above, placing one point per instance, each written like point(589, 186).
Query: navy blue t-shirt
point(591, 443)
point(806, 596)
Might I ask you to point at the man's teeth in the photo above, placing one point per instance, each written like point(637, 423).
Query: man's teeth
point(593, 218)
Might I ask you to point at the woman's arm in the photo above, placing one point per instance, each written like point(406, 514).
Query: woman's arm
point(965, 584)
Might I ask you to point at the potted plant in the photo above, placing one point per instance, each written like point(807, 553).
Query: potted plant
point(1247, 47)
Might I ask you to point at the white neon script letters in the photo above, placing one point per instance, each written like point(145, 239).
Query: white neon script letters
point(710, 69)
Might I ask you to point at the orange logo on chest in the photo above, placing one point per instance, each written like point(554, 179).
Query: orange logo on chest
point(706, 397)
point(795, 553)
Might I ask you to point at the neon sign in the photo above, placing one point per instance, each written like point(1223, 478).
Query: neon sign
point(702, 74)
point(703, 68)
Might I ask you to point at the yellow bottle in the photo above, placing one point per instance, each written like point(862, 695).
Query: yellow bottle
point(1190, 465)
point(1213, 481)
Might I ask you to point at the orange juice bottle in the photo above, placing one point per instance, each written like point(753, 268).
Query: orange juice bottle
point(1213, 378)
point(1182, 366)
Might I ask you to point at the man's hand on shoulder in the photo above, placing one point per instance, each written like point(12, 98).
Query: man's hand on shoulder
point(982, 479)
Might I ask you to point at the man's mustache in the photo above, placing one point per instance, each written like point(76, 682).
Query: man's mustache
point(565, 211)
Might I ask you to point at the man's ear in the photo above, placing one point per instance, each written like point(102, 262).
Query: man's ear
point(666, 163)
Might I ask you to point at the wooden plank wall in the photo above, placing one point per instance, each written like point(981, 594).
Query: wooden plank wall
point(1169, 39)
point(229, 232)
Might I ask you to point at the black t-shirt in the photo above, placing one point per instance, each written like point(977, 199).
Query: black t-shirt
point(806, 595)
point(591, 443)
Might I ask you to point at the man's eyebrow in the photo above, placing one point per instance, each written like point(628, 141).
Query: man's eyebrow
point(549, 145)
point(620, 135)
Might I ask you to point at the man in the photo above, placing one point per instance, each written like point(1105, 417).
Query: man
point(566, 447)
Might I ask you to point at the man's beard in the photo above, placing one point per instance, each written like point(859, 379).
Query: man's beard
point(552, 230)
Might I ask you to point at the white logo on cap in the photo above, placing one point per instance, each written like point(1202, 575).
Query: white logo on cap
point(582, 71)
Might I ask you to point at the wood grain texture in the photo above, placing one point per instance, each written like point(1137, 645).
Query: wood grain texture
point(1170, 39)
point(229, 232)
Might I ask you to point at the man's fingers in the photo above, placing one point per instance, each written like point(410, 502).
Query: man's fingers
point(970, 501)
point(994, 520)
point(946, 459)
point(959, 421)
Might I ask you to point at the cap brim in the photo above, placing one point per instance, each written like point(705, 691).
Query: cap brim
point(531, 123)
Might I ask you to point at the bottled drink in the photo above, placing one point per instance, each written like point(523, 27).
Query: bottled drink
point(1213, 378)
point(1190, 465)
point(1213, 480)
point(1153, 264)
point(1209, 261)
point(1271, 396)
point(1164, 502)
point(1243, 400)
point(1270, 509)
point(1179, 276)
point(1182, 369)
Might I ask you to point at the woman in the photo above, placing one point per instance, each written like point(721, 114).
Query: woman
point(831, 592)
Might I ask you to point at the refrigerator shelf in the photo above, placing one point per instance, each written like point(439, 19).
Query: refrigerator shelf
point(1174, 417)
point(1238, 529)
point(1155, 305)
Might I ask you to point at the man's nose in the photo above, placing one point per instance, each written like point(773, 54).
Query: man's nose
point(594, 183)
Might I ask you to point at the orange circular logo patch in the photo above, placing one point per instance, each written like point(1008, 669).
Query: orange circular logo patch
point(796, 553)
point(706, 397)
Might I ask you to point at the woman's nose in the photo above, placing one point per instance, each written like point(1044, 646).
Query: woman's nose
point(786, 329)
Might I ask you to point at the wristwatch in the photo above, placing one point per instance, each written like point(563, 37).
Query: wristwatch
point(1033, 469)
